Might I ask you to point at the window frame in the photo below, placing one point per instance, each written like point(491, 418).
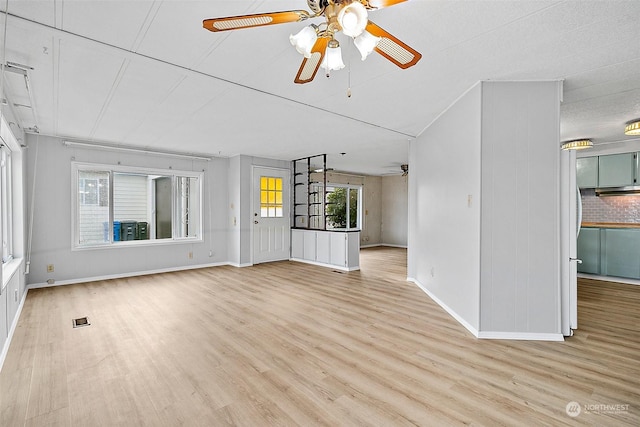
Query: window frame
point(6, 201)
point(112, 170)
point(359, 217)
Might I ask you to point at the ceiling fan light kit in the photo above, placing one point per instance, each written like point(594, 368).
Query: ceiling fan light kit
point(366, 43)
point(304, 40)
point(333, 57)
point(317, 42)
point(632, 128)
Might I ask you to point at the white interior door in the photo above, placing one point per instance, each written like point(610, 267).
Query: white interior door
point(271, 234)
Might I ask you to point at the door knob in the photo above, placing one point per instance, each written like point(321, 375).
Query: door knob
point(255, 222)
point(579, 261)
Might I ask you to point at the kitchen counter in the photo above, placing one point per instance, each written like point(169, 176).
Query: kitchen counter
point(610, 225)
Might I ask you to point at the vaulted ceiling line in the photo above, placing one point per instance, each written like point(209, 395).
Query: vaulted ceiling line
point(202, 73)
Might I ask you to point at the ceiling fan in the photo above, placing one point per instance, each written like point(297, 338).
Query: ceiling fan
point(317, 42)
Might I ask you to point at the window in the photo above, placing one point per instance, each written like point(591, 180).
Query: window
point(5, 202)
point(343, 207)
point(270, 197)
point(117, 205)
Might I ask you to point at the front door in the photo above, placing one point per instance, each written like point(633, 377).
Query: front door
point(271, 235)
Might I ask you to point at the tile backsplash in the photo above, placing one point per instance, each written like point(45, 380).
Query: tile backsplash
point(624, 208)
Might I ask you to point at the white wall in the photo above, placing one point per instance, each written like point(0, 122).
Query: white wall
point(484, 220)
point(394, 210)
point(444, 167)
point(52, 216)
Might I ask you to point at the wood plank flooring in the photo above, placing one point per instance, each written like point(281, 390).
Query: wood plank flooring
point(292, 344)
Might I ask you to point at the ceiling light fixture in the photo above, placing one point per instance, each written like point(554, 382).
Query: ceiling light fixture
point(353, 19)
point(333, 58)
point(577, 144)
point(304, 40)
point(632, 128)
point(366, 43)
point(316, 42)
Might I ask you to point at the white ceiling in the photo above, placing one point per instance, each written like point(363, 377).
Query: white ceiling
point(145, 73)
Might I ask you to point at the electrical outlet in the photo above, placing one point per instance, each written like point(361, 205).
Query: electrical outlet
point(190, 255)
point(50, 268)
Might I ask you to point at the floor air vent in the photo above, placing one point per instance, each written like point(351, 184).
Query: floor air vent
point(82, 321)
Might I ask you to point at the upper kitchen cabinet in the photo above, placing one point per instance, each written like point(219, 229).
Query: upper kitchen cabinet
point(587, 172)
point(617, 170)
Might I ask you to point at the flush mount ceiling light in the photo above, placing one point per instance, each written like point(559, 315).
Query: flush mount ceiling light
point(317, 43)
point(577, 144)
point(632, 128)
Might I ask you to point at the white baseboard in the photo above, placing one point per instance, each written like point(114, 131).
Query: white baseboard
point(234, 264)
point(14, 324)
point(520, 336)
point(446, 308)
point(388, 245)
point(322, 264)
point(530, 336)
point(122, 275)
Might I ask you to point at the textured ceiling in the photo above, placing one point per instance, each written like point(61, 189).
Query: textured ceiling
point(146, 74)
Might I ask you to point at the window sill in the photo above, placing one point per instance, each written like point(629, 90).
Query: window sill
point(8, 270)
point(137, 244)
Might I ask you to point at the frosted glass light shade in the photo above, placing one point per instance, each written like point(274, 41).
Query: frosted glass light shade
point(353, 19)
point(365, 43)
point(333, 59)
point(304, 40)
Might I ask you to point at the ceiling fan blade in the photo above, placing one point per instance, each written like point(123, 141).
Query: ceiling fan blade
point(379, 4)
point(393, 49)
point(255, 20)
point(309, 66)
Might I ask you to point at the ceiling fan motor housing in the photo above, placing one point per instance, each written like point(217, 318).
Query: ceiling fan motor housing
point(317, 5)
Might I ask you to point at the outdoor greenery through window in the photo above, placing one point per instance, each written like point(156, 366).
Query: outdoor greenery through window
point(117, 205)
point(343, 207)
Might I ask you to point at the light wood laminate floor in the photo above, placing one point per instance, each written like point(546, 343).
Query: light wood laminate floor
point(293, 344)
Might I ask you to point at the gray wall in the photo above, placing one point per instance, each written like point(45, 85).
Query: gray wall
point(520, 258)
point(52, 216)
point(484, 231)
point(239, 218)
point(394, 210)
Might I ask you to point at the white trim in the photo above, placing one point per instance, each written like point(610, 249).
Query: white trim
point(235, 264)
point(123, 275)
point(322, 264)
point(387, 245)
point(446, 308)
point(7, 343)
point(529, 336)
point(9, 270)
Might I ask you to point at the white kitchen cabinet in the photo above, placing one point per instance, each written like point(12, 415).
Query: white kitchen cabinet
point(335, 249)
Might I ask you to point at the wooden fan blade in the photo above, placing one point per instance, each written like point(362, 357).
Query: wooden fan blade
point(393, 49)
point(379, 4)
point(309, 66)
point(256, 20)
